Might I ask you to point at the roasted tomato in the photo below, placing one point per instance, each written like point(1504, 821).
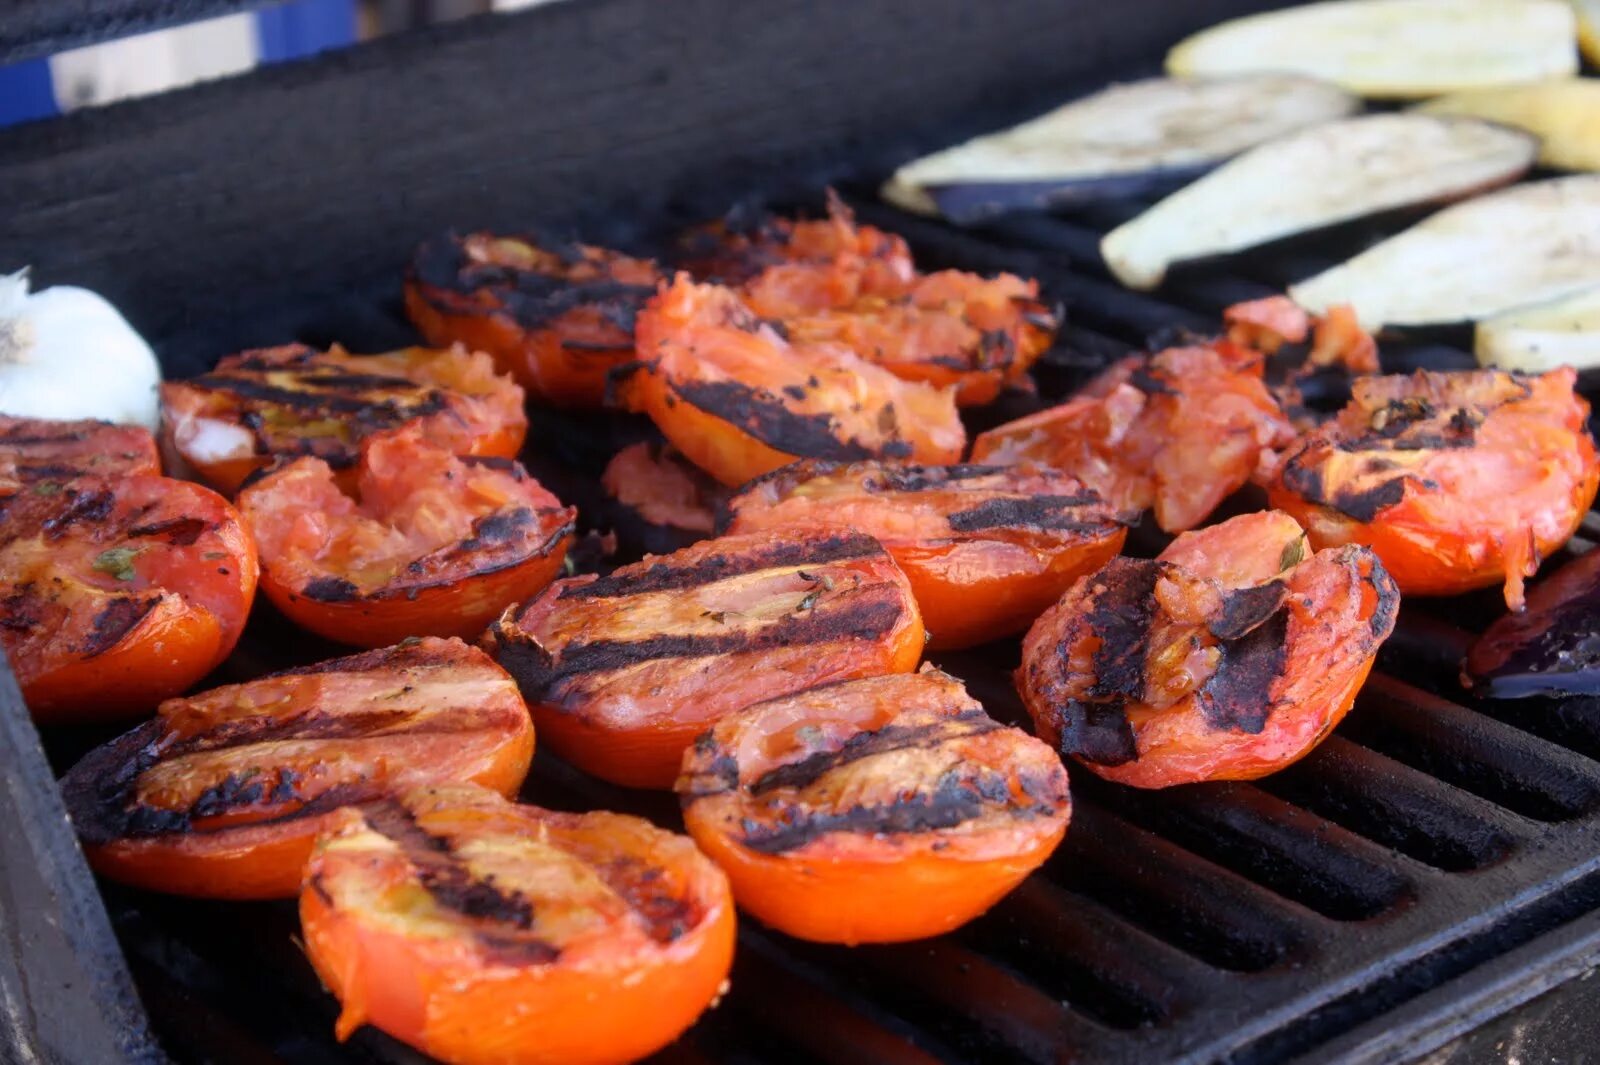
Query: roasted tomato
point(659, 499)
point(44, 454)
point(116, 593)
point(986, 548)
point(222, 794)
point(1337, 338)
point(873, 811)
point(1179, 431)
point(484, 933)
point(557, 318)
point(434, 544)
point(1228, 657)
point(1457, 480)
point(285, 402)
point(622, 672)
point(738, 400)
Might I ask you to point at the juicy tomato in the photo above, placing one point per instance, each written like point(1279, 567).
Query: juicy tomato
point(116, 593)
point(433, 544)
point(483, 933)
point(260, 406)
point(1179, 431)
point(1337, 338)
point(39, 452)
point(660, 499)
point(622, 672)
point(1227, 657)
point(1457, 480)
point(736, 398)
point(986, 548)
point(558, 319)
point(223, 793)
point(873, 811)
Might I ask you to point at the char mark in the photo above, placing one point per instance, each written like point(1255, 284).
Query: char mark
point(330, 590)
point(115, 621)
point(501, 527)
point(1245, 608)
point(960, 796)
point(1362, 505)
point(311, 402)
point(664, 577)
point(82, 508)
point(179, 532)
point(770, 420)
point(1030, 512)
point(808, 770)
point(1096, 728)
point(923, 478)
point(1238, 697)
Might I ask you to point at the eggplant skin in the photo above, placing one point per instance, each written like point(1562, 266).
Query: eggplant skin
point(1314, 179)
point(1393, 49)
point(1560, 332)
point(1523, 245)
point(1564, 113)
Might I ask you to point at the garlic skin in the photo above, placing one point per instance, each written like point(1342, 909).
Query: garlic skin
point(67, 353)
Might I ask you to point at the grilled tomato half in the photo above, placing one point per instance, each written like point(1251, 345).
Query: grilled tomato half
point(1457, 480)
point(222, 794)
point(659, 500)
point(986, 548)
point(1179, 431)
point(482, 932)
point(1227, 657)
point(557, 317)
point(622, 672)
point(118, 592)
point(433, 544)
point(259, 406)
point(739, 400)
point(873, 811)
point(44, 454)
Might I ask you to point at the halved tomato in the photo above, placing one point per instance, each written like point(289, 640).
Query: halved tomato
point(432, 545)
point(1337, 338)
point(660, 500)
point(622, 672)
point(558, 318)
point(223, 793)
point(484, 933)
point(1457, 480)
point(736, 398)
point(1227, 657)
point(259, 406)
point(118, 592)
point(45, 454)
point(1179, 431)
point(873, 811)
point(986, 548)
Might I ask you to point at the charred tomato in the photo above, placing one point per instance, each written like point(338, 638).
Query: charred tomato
point(875, 810)
point(986, 548)
point(1228, 657)
point(260, 406)
point(659, 500)
point(42, 454)
point(482, 932)
point(622, 672)
point(223, 793)
point(1457, 480)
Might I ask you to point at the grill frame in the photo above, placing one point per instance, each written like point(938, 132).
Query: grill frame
point(84, 175)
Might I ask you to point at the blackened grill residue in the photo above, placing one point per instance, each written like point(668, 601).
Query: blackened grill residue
point(1030, 512)
point(958, 797)
point(808, 770)
point(769, 419)
point(664, 577)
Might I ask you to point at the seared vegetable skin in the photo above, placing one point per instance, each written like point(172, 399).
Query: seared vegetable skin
point(259, 406)
point(1543, 336)
point(660, 500)
point(986, 548)
point(1457, 480)
point(118, 591)
point(622, 672)
point(1550, 648)
point(873, 811)
point(1313, 179)
point(222, 794)
point(1228, 657)
point(1179, 431)
point(556, 317)
point(482, 932)
point(37, 452)
point(739, 400)
point(431, 543)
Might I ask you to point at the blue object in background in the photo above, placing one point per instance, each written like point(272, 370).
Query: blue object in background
point(26, 91)
point(289, 31)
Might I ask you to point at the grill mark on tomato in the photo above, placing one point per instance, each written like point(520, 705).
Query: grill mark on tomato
point(1310, 483)
point(1097, 728)
point(115, 621)
point(20, 611)
point(179, 532)
point(934, 734)
point(330, 590)
point(501, 527)
point(311, 725)
point(665, 577)
point(770, 420)
point(349, 381)
point(1033, 512)
point(922, 478)
point(1245, 608)
point(1238, 696)
point(310, 402)
point(83, 508)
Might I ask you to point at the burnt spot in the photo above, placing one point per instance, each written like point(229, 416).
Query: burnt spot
point(1238, 697)
point(179, 532)
point(1387, 608)
point(959, 796)
point(1361, 504)
point(923, 478)
point(115, 621)
point(770, 420)
point(1030, 512)
point(82, 508)
point(665, 577)
point(307, 400)
point(330, 590)
point(236, 790)
point(1095, 726)
point(344, 381)
point(1245, 608)
point(266, 728)
point(997, 349)
point(21, 610)
point(501, 527)
point(813, 767)
point(667, 915)
point(495, 462)
point(1149, 383)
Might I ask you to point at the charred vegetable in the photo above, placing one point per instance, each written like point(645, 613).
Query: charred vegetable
point(1550, 648)
point(1543, 336)
point(44, 454)
point(1564, 113)
point(659, 500)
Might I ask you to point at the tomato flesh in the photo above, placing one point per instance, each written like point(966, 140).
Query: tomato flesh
point(660, 498)
point(43, 453)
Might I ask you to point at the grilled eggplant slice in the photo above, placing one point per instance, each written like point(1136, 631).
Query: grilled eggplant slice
point(1523, 245)
point(873, 811)
point(1564, 113)
point(1552, 647)
point(1563, 332)
point(1128, 140)
point(1392, 48)
point(1314, 179)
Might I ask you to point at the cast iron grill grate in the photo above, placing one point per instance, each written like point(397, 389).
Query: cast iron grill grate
point(1237, 922)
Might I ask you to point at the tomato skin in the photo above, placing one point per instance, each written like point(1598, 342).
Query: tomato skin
point(1228, 657)
point(986, 548)
point(42, 451)
point(780, 795)
point(623, 672)
point(118, 592)
point(558, 321)
point(1457, 480)
point(169, 806)
point(608, 995)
